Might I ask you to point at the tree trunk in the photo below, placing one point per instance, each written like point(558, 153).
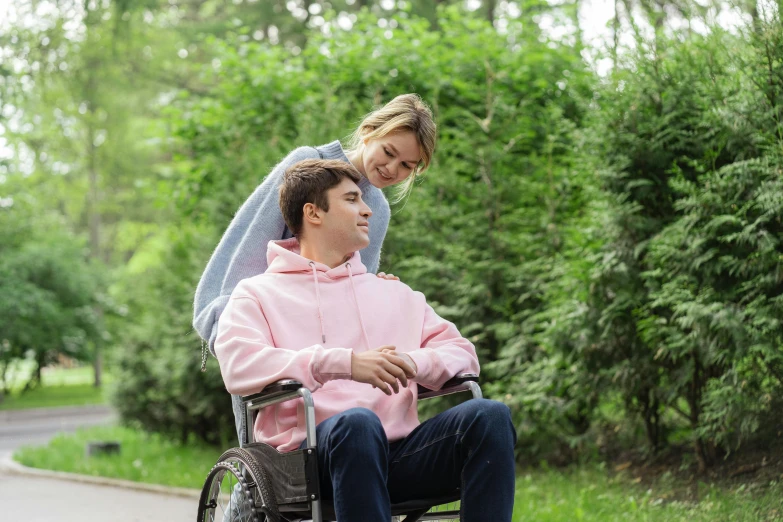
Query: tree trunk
point(491, 10)
point(753, 10)
point(93, 209)
point(615, 32)
point(98, 365)
point(5, 388)
point(652, 420)
point(35, 378)
point(694, 403)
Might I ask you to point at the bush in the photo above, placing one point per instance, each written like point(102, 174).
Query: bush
point(158, 382)
point(683, 308)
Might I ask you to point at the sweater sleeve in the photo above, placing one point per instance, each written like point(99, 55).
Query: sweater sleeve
point(444, 352)
point(379, 224)
point(249, 361)
point(241, 252)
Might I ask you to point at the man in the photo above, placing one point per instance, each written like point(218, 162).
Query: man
point(360, 342)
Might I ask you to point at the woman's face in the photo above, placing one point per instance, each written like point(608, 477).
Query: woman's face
point(391, 159)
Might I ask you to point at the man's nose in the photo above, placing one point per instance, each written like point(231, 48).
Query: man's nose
point(366, 211)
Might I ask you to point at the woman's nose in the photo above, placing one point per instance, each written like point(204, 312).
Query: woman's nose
point(393, 167)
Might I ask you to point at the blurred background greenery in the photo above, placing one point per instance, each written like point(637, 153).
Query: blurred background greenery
point(603, 218)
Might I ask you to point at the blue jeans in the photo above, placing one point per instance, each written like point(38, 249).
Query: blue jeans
point(470, 446)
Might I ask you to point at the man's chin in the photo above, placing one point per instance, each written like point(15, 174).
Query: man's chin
point(355, 248)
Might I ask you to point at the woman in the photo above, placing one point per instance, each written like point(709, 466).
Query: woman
point(392, 145)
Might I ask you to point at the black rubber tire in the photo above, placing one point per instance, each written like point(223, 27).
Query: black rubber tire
point(261, 481)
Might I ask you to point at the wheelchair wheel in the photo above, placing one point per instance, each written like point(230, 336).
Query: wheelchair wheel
point(237, 490)
point(443, 513)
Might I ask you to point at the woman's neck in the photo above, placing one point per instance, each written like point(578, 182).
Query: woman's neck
point(355, 157)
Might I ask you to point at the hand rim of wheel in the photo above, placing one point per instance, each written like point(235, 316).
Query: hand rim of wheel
point(209, 492)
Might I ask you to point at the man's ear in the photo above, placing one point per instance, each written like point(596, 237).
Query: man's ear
point(312, 214)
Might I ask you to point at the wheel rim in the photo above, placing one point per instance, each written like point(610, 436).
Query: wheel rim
point(230, 497)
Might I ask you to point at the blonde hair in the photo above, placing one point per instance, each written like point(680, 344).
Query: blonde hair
point(406, 112)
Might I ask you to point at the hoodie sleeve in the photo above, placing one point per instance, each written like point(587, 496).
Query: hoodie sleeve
point(241, 252)
point(444, 352)
point(249, 361)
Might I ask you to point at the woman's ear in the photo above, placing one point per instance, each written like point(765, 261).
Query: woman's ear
point(312, 214)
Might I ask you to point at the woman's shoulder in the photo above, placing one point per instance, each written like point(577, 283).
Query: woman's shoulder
point(275, 177)
point(299, 154)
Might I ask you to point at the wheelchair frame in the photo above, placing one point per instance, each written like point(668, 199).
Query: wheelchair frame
point(300, 494)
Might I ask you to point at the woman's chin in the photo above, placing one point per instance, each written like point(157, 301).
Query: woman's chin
point(378, 181)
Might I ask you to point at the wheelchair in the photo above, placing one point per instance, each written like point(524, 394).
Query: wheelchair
point(256, 483)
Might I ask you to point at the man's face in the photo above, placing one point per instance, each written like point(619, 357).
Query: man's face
point(346, 225)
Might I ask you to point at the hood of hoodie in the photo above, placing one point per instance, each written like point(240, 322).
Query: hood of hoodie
point(284, 256)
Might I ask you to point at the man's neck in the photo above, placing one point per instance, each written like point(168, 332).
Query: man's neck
point(322, 254)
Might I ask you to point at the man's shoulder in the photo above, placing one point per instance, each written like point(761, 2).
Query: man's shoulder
point(392, 287)
point(253, 286)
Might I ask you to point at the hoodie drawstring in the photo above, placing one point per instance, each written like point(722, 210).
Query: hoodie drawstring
point(318, 297)
point(358, 309)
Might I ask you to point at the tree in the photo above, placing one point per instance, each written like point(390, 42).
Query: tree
point(48, 292)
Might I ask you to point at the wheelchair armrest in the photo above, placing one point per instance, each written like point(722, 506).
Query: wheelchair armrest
point(460, 383)
point(275, 393)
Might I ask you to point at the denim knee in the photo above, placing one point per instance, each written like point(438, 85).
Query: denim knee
point(360, 418)
point(493, 416)
point(360, 425)
point(488, 408)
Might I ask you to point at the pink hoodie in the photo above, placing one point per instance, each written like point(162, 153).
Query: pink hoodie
point(301, 320)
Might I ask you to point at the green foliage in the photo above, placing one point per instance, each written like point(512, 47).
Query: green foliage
point(716, 298)
point(48, 295)
point(684, 297)
point(158, 383)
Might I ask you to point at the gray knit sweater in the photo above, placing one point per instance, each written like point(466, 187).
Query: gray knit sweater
point(241, 252)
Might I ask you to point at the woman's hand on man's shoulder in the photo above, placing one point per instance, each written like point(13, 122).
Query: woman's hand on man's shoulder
point(390, 277)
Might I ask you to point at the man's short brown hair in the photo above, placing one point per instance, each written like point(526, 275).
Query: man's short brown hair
point(307, 182)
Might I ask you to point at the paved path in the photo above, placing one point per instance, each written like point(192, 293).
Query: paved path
point(38, 426)
point(35, 499)
point(35, 496)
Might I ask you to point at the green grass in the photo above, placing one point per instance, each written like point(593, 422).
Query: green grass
point(579, 494)
point(143, 457)
point(55, 396)
point(68, 376)
point(60, 387)
point(590, 494)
